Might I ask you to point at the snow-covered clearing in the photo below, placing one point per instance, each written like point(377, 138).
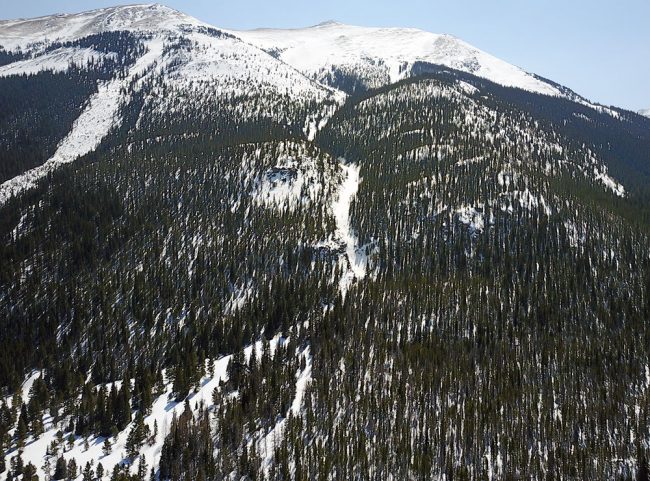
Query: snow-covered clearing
point(471, 217)
point(293, 181)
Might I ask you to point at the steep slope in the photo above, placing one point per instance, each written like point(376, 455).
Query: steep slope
point(355, 59)
point(197, 51)
point(476, 210)
point(428, 230)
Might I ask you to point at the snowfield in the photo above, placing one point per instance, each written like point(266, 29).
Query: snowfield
point(35, 32)
point(393, 51)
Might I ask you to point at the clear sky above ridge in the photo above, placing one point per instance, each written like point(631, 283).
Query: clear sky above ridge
point(599, 48)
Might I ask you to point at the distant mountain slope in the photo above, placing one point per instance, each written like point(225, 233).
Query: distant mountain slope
point(194, 50)
point(384, 55)
point(645, 112)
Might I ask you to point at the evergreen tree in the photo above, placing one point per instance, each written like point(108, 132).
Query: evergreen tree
point(181, 384)
point(72, 469)
point(123, 406)
point(21, 431)
point(138, 434)
point(642, 474)
point(107, 447)
point(61, 469)
point(30, 473)
point(88, 473)
point(142, 468)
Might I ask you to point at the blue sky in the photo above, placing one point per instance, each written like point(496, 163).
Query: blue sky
point(600, 49)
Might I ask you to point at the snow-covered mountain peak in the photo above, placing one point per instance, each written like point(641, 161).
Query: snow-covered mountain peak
point(327, 23)
point(387, 54)
point(23, 33)
point(186, 49)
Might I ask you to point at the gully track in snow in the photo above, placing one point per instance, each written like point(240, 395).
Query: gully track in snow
point(341, 209)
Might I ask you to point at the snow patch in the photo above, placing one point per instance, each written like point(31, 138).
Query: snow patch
point(468, 88)
point(304, 378)
point(609, 182)
point(528, 200)
point(239, 297)
point(471, 217)
point(267, 444)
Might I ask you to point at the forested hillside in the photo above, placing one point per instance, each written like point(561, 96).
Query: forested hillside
point(247, 274)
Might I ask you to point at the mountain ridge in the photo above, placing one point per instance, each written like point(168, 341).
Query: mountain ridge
point(153, 16)
point(339, 45)
point(330, 55)
point(470, 61)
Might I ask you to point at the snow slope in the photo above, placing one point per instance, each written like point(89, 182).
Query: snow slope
point(202, 52)
point(188, 56)
point(356, 260)
point(88, 130)
point(30, 33)
point(386, 53)
point(236, 66)
point(163, 410)
point(645, 112)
